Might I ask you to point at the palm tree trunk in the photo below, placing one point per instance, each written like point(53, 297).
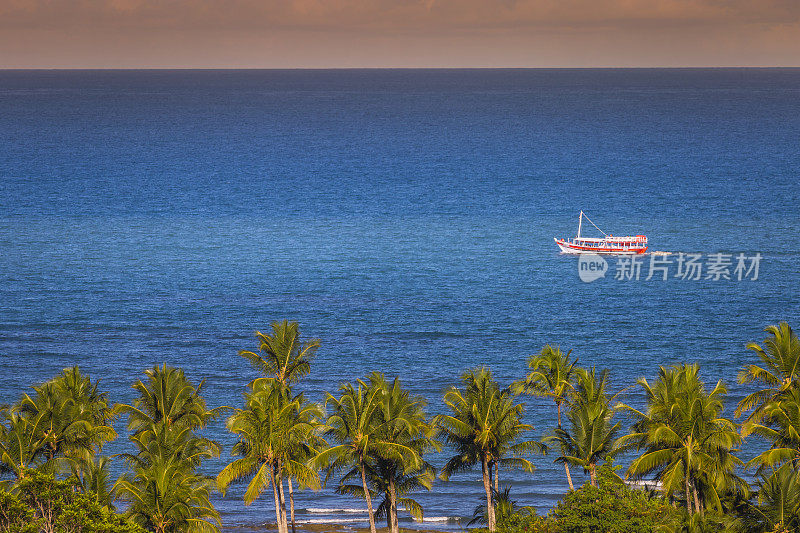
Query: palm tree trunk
point(569, 477)
point(696, 499)
point(566, 465)
point(593, 474)
point(487, 486)
point(688, 496)
point(291, 501)
point(277, 500)
point(368, 498)
point(283, 500)
point(497, 477)
point(392, 510)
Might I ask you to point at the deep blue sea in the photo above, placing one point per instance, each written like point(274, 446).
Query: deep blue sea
point(404, 217)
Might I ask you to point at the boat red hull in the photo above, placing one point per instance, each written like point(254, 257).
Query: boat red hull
point(571, 248)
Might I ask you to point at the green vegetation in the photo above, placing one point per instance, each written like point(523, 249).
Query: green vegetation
point(164, 489)
point(393, 465)
point(593, 432)
point(375, 438)
point(611, 507)
point(377, 427)
point(276, 439)
point(278, 431)
point(552, 375)
point(39, 502)
point(686, 440)
point(485, 427)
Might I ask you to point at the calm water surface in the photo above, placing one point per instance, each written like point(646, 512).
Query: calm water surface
point(403, 217)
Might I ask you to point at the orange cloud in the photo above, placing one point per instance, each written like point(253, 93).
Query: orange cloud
point(399, 32)
point(399, 14)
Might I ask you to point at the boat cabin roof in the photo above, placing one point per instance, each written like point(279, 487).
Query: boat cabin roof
point(611, 238)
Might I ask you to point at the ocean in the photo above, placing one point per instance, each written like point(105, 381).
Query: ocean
point(403, 217)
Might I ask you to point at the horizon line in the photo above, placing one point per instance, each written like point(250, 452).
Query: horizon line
point(724, 67)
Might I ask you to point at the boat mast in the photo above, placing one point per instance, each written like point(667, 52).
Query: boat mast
point(590, 222)
point(580, 219)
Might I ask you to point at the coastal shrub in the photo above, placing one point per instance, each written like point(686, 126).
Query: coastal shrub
point(706, 522)
point(15, 515)
point(611, 507)
point(41, 503)
point(525, 520)
point(509, 515)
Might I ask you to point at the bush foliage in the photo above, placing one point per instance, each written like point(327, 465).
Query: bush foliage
point(40, 503)
point(611, 507)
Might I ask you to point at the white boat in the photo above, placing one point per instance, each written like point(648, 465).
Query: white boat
point(608, 244)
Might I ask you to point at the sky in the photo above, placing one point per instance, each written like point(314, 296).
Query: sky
point(398, 33)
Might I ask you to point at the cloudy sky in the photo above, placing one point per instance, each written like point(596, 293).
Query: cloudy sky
point(397, 33)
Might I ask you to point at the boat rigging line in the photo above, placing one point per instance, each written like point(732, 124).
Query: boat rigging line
point(590, 222)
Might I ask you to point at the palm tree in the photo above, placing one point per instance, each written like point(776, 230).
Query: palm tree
point(780, 426)
point(484, 426)
point(21, 444)
point(379, 471)
point(64, 422)
point(402, 422)
point(261, 430)
point(509, 452)
point(593, 434)
point(778, 499)
point(167, 397)
point(74, 418)
point(357, 424)
point(304, 443)
point(94, 478)
point(165, 492)
point(780, 356)
point(271, 428)
point(551, 375)
point(285, 356)
point(687, 442)
point(166, 495)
